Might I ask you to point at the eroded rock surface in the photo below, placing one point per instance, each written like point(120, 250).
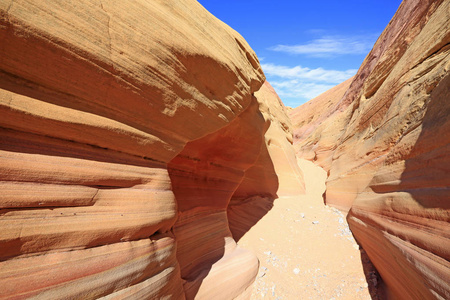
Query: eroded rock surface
point(390, 159)
point(126, 129)
point(275, 173)
point(315, 128)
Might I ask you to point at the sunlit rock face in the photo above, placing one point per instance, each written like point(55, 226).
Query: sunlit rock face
point(204, 176)
point(274, 173)
point(391, 159)
point(136, 139)
point(126, 130)
point(317, 125)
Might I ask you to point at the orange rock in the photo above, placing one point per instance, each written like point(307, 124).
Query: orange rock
point(125, 131)
point(278, 140)
point(214, 179)
point(390, 158)
point(275, 173)
point(204, 177)
point(147, 267)
point(315, 128)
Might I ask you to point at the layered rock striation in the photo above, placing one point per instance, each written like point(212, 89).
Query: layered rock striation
point(225, 182)
point(126, 129)
point(275, 172)
point(385, 145)
point(315, 128)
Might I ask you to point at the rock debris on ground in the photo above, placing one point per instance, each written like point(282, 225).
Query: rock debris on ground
point(306, 250)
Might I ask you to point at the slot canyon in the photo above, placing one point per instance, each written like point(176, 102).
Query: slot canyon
point(144, 155)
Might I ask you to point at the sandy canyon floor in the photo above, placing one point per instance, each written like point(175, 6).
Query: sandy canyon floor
point(307, 251)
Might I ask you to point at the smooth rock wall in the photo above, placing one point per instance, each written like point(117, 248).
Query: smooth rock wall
point(314, 125)
point(126, 128)
point(275, 173)
point(390, 161)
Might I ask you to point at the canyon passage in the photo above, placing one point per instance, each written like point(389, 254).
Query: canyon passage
point(306, 249)
point(144, 155)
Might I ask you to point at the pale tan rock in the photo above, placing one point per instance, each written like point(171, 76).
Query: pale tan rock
point(126, 130)
point(81, 274)
point(274, 174)
point(204, 177)
point(214, 179)
point(398, 105)
point(99, 100)
point(279, 140)
point(123, 63)
point(391, 156)
point(315, 128)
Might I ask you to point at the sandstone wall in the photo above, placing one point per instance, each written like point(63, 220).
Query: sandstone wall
point(126, 128)
point(275, 172)
point(317, 125)
point(391, 162)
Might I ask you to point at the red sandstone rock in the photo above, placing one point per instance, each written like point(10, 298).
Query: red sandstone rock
point(204, 177)
point(390, 162)
point(232, 164)
point(274, 174)
point(126, 129)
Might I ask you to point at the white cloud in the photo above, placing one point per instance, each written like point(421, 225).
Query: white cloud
point(296, 85)
point(331, 46)
point(294, 89)
point(314, 75)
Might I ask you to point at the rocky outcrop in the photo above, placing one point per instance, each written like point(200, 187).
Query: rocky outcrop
point(315, 128)
point(204, 176)
point(126, 129)
point(391, 155)
point(275, 172)
point(218, 181)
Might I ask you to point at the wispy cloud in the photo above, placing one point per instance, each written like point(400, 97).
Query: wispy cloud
point(295, 92)
point(299, 72)
point(331, 46)
point(295, 85)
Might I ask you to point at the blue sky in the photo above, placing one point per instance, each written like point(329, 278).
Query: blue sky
point(306, 47)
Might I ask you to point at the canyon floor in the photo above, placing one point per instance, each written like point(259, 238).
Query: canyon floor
point(307, 251)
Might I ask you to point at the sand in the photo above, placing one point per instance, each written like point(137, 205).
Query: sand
point(306, 250)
